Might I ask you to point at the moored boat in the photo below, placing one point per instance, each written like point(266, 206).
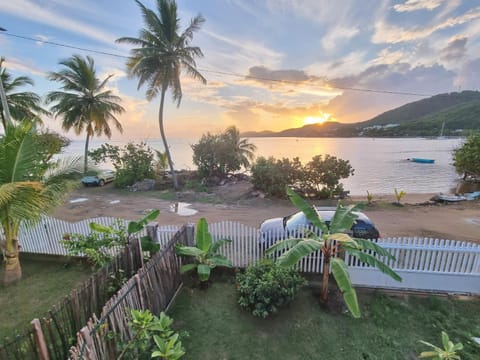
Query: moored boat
point(421, 160)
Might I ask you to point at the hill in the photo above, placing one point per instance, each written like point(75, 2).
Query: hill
point(456, 113)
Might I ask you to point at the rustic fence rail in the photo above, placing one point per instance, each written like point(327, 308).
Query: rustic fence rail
point(60, 325)
point(153, 288)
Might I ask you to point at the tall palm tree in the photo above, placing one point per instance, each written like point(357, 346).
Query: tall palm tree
point(27, 190)
point(22, 105)
point(160, 56)
point(243, 149)
point(84, 104)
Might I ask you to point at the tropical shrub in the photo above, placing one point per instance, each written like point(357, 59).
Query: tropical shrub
point(272, 176)
point(132, 162)
point(323, 175)
point(266, 287)
point(293, 249)
point(205, 253)
point(466, 158)
point(96, 245)
point(399, 196)
point(153, 337)
point(449, 351)
point(218, 155)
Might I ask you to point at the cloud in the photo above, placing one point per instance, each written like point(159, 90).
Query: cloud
point(469, 75)
point(455, 50)
point(414, 5)
point(337, 36)
point(392, 34)
point(22, 66)
point(30, 10)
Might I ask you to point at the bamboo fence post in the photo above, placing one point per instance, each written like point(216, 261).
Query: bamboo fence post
point(40, 339)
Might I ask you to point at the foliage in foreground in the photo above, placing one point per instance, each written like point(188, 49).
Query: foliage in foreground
point(132, 162)
point(96, 246)
point(218, 155)
point(466, 158)
point(319, 178)
point(265, 287)
point(341, 223)
point(153, 337)
point(449, 351)
point(29, 188)
point(205, 252)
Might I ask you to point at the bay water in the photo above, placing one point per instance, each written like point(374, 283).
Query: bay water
point(380, 164)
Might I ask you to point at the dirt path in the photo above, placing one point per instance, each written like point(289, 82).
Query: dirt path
point(234, 202)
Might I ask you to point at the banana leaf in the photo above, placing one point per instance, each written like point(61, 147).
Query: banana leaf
point(218, 244)
point(344, 218)
point(187, 267)
point(372, 261)
point(370, 245)
point(203, 238)
point(282, 245)
point(309, 211)
point(298, 251)
point(188, 250)
point(203, 272)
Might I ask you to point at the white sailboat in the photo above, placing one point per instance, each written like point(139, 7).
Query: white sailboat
point(441, 136)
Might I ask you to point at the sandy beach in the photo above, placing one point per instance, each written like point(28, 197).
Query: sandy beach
point(418, 217)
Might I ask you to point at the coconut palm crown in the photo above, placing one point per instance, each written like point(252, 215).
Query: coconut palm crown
point(160, 55)
point(84, 104)
point(21, 104)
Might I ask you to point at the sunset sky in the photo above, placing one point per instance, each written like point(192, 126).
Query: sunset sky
point(270, 64)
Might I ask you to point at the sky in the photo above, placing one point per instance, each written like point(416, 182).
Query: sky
point(269, 64)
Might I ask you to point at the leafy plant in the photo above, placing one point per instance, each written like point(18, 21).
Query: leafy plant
point(332, 242)
point(95, 246)
point(399, 196)
point(449, 351)
point(132, 162)
point(466, 158)
point(266, 287)
point(152, 337)
point(369, 198)
point(205, 252)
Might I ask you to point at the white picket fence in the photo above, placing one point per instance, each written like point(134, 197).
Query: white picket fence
point(423, 263)
point(45, 236)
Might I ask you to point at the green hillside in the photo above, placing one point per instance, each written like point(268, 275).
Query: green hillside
point(457, 113)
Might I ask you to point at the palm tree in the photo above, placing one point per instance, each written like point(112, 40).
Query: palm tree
point(84, 104)
point(22, 105)
point(27, 190)
point(342, 221)
point(160, 56)
point(244, 150)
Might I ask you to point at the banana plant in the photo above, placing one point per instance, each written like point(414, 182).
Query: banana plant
point(449, 351)
point(205, 252)
point(333, 241)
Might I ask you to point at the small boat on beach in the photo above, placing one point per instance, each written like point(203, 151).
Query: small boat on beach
point(421, 160)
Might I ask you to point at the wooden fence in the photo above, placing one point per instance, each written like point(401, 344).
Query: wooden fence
point(153, 288)
point(425, 264)
point(60, 326)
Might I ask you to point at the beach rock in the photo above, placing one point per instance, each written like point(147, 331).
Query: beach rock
point(144, 185)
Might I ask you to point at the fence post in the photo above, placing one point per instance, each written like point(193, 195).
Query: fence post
point(40, 339)
point(152, 231)
point(190, 234)
point(139, 290)
point(90, 352)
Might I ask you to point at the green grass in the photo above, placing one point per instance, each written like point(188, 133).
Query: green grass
point(390, 328)
point(43, 284)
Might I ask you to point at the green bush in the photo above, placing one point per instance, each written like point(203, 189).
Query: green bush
point(466, 158)
point(265, 287)
point(132, 162)
point(272, 176)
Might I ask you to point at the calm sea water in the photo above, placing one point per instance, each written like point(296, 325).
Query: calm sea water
point(380, 164)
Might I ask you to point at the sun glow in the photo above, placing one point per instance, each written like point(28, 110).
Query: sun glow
point(309, 120)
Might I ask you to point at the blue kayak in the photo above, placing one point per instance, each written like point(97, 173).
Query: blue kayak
point(421, 160)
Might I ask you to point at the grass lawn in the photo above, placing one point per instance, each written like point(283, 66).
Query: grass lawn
point(43, 284)
point(390, 327)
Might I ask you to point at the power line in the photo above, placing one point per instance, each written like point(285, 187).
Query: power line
point(218, 72)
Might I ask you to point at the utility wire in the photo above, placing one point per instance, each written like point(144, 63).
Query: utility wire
point(218, 72)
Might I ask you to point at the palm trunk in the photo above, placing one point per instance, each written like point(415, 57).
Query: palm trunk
point(85, 160)
point(164, 139)
point(13, 270)
point(3, 121)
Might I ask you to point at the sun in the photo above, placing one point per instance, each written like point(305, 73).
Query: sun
point(309, 120)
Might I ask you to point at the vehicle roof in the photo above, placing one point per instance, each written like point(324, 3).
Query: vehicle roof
point(327, 212)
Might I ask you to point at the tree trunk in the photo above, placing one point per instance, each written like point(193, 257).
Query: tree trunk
point(85, 160)
point(325, 277)
point(4, 123)
point(164, 139)
point(13, 270)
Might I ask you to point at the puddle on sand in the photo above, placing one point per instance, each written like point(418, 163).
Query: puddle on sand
point(182, 209)
point(74, 201)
